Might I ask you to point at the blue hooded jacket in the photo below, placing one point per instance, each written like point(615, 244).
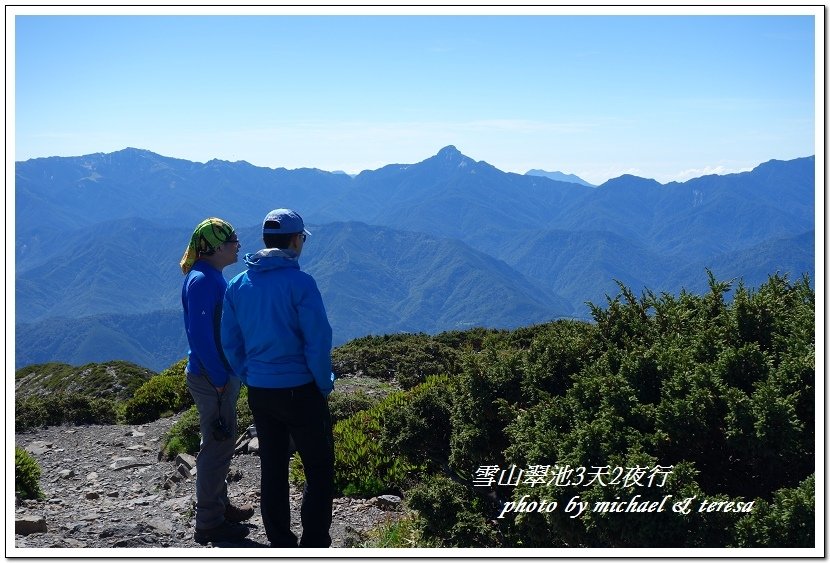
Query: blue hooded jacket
point(275, 332)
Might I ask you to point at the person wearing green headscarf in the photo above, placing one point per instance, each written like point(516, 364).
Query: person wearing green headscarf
point(214, 387)
point(205, 240)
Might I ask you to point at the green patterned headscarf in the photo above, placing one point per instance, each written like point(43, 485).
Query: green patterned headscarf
point(207, 237)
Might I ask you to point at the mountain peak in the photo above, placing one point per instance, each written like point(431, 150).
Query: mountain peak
point(449, 152)
point(451, 156)
point(630, 181)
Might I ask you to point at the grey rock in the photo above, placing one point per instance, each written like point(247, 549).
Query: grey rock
point(90, 516)
point(121, 463)
point(70, 542)
point(38, 447)
point(161, 526)
point(187, 460)
point(253, 446)
point(29, 524)
point(387, 502)
point(144, 501)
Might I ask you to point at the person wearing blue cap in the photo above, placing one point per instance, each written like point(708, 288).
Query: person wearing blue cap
point(277, 338)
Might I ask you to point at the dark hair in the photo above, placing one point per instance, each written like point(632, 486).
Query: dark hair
point(282, 241)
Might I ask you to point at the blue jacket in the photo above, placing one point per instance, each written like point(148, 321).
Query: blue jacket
point(202, 293)
point(275, 331)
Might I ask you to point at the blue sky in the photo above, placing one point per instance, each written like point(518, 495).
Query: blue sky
point(668, 97)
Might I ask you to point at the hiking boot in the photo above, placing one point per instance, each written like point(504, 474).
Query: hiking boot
point(224, 532)
point(236, 514)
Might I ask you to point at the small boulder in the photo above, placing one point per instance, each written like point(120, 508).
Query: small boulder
point(253, 446)
point(187, 460)
point(38, 447)
point(387, 502)
point(29, 524)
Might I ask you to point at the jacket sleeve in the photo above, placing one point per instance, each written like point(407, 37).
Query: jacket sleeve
point(233, 343)
point(316, 329)
point(203, 302)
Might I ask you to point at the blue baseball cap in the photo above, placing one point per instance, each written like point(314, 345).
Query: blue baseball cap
point(283, 222)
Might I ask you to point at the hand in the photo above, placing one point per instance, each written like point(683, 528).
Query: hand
point(220, 390)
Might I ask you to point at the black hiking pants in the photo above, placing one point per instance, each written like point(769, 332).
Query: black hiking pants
point(302, 413)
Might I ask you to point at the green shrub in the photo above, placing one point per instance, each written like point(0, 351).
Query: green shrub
point(721, 391)
point(420, 427)
point(34, 412)
point(717, 391)
point(163, 395)
point(116, 380)
point(362, 465)
point(26, 475)
point(407, 358)
point(244, 417)
point(60, 408)
point(789, 521)
point(344, 405)
point(81, 409)
point(400, 533)
point(554, 356)
point(488, 384)
point(184, 436)
point(448, 515)
point(471, 340)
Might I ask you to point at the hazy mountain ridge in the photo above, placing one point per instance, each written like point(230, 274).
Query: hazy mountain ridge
point(69, 192)
point(421, 283)
point(560, 176)
point(100, 236)
point(154, 340)
point(374, 280)
point(447, 193)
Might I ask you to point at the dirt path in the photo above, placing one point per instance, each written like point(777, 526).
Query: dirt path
point(105, 488)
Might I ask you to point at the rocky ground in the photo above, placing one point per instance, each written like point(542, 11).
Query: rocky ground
point(105, 487)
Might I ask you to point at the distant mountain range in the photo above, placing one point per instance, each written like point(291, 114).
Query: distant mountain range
point(446, 243)
point(559, 176)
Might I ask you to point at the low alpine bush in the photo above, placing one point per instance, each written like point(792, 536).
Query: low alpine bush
point(26, 475)
point(164, 394)
point(60, 408)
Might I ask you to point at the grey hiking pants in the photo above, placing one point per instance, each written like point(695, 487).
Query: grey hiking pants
point(214, 458)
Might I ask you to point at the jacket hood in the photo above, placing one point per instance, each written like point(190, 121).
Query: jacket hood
point(271, 259)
